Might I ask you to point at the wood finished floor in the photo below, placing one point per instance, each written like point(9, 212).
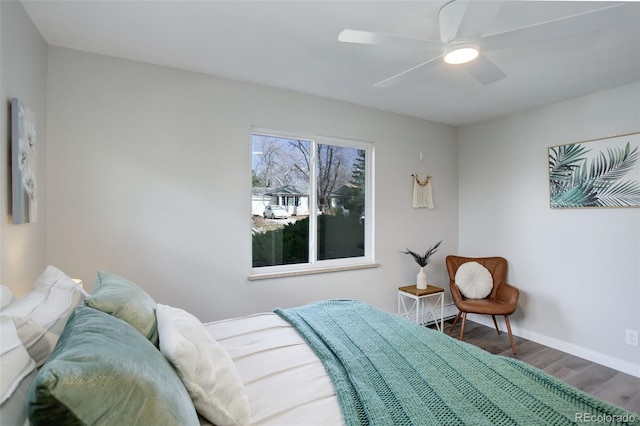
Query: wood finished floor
point(602, 382)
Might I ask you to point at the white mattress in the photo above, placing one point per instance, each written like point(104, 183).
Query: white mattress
point(285, 381)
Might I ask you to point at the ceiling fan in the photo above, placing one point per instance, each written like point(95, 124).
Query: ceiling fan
point(463, 40)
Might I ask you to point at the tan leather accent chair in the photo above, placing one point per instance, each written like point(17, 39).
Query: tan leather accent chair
point(502, 300)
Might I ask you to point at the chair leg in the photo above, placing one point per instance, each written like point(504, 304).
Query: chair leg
point(455, 321)
point(464, 319)
point(495, 323)
point(513, 345)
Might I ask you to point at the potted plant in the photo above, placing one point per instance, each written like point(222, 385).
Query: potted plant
point(422, 261)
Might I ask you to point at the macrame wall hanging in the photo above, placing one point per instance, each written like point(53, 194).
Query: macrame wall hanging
point(422, 193)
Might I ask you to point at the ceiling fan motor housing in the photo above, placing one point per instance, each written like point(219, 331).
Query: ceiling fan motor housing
point(456, 51)
point(449, 19)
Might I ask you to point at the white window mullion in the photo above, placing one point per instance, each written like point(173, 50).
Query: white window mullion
point(313, 204)
point(369, 240)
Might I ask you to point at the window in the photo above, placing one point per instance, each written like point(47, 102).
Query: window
point(311, 203)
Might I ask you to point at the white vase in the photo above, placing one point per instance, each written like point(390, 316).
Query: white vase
point(421, 279)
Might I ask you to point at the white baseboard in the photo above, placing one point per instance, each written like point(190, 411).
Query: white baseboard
point(450, 311)
point(579, 351)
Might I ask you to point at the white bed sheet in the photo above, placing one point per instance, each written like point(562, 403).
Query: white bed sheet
point(285, 381)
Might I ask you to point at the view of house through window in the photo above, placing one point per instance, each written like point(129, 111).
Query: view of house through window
point(308, 200)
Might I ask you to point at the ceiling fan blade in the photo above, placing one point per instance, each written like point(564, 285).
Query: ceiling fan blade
point(367, 37)
point(568, 26)
point(405, 74)
point(477, 16)
point(485, 71)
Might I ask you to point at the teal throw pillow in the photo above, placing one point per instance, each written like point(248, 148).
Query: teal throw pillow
point(102, 371)
point(125, 300)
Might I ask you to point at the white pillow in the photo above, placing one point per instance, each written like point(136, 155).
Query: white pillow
point(205, 368)
point(6, 297)
point(18, 371)
point(474, 280)
point(40, 316)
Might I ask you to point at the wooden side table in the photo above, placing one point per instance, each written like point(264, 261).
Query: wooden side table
point(419, 296)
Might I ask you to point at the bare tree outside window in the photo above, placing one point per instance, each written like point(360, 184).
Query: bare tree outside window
point(333, 169)
point(276, 164)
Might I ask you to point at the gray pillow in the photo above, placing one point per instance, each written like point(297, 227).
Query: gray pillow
point(102, 371)
point(125, 300)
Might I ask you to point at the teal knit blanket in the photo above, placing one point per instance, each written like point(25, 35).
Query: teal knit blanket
point(389, 371)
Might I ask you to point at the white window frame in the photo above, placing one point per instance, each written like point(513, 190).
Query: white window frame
point(314, 265)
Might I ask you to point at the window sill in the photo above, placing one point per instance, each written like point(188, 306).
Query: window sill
point(321, 270)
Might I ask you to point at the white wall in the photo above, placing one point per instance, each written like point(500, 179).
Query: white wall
point(141, 158)
point(149, 177)
point(23, 75)
point(578, 270)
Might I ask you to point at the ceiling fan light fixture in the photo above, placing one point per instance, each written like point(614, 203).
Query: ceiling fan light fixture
point(460, 54)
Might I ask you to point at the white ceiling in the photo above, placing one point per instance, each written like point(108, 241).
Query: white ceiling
point(294, 45)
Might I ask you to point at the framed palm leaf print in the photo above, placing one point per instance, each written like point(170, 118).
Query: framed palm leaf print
point(598, 173)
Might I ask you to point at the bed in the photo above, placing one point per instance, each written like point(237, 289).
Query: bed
point(118, 357)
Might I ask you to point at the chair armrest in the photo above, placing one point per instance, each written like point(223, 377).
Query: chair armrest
point(455, 292)
point(507, 293)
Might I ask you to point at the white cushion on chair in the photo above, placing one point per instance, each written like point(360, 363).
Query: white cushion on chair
point(474, 280)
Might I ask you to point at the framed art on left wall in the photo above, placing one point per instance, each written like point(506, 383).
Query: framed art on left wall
point(24, 197)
